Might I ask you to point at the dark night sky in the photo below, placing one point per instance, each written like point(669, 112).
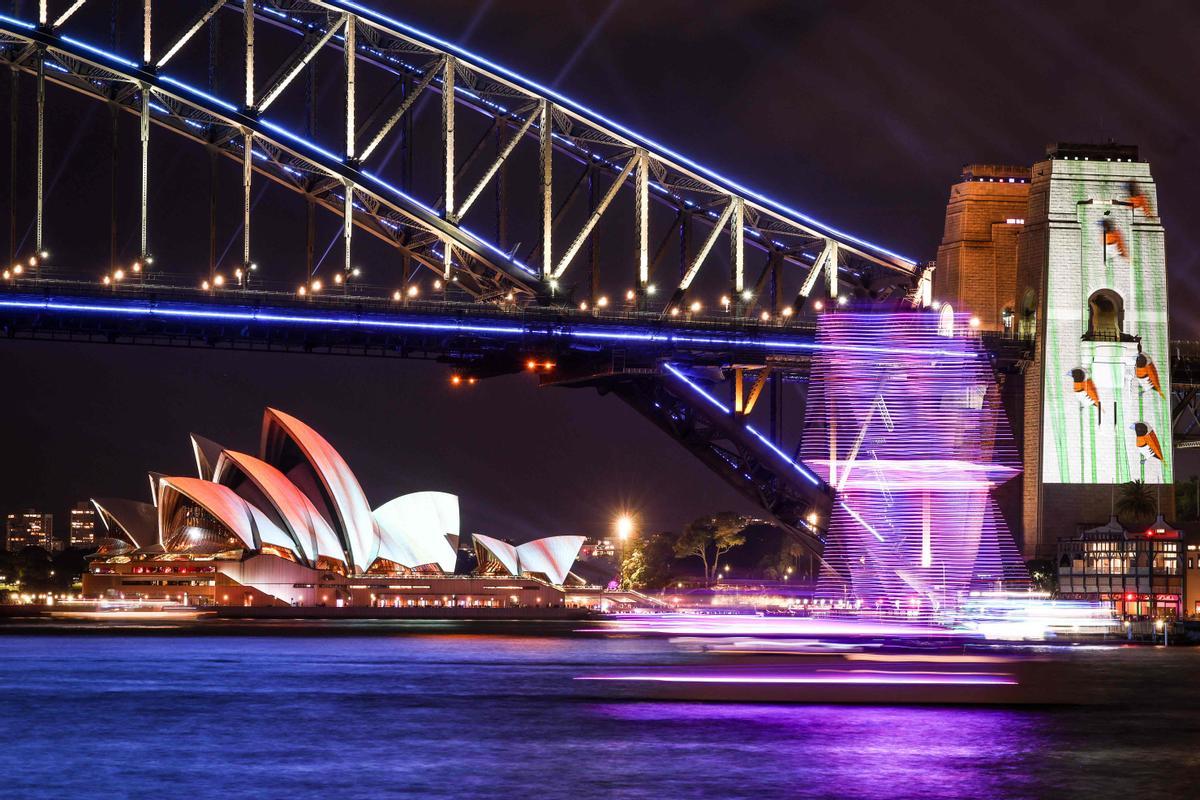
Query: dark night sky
point(860, 113)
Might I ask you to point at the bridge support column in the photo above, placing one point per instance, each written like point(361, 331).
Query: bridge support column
point(247, 180)
point(144, 120)
point(14, 98)
point(545, 162)
point(41, 157)
point(641, 216)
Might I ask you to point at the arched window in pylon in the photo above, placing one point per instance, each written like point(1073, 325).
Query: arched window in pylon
point(1106, 316)
point(946, 320)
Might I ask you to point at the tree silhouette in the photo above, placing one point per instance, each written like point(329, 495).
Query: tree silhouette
point(717, 533)
point(1138, 501)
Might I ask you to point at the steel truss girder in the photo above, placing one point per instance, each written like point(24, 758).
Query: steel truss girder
point(561, 125)
point(588, 138)
point(584, 136)
point(721, 443)
point(397, 220)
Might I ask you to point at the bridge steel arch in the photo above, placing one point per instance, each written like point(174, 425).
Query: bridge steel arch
point(434, 231)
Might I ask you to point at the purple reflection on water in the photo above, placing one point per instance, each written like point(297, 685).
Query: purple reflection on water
point(853, 751)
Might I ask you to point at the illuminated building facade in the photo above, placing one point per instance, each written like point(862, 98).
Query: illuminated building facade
point(914, 442)
point(1140, 572)
point(28, 528)
point(293, 527)
point(82, 533)
point(1191, 574)
point(1092, 293)
point(977, 261)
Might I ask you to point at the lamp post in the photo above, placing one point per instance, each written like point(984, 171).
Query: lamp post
point(624, 528)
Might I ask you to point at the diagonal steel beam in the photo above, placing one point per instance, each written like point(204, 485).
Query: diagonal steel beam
point(295, 65)
point(694, 268)
point(66, 15)
point(191, 31)
point(594, 218)
point(401, 110)
point(471, 197)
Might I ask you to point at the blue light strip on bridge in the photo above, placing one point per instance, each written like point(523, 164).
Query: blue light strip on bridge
point(749, 428)
point(622, 334)
point(716, 341)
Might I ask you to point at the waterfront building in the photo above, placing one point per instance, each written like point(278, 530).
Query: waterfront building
point(292, 526)
point(28, 528)
point(1092, 295)
point(82, 522)
point(976, 269)
point(1191, 574)
point(1140, 572)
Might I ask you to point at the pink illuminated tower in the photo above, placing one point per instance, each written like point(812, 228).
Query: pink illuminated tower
point(914, 443)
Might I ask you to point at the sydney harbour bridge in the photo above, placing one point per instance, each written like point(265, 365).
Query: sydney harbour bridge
point(483, 221)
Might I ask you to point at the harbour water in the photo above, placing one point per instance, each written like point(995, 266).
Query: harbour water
point(376, 710)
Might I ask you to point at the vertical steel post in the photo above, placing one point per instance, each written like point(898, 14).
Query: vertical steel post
point(310, 245)
point(348, 215)
point(350, 52)
point(147, 16)
point(501, 191)
point(737, 252)
point(347, 228)
point(248, 139)
point(41, 154)
point(247, 180)
point(641, 214)
point(685, 243)
point(248, 28)
point(212, 213)
point(593, 239)
point(145, 195)
point(14, 83)
point(113, 198)
point(115, 146)
point(448, 138)
point(214, 48)
point(831, 268)
point(545, 162)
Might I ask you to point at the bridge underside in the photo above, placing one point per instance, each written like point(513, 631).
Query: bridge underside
point(666, 372)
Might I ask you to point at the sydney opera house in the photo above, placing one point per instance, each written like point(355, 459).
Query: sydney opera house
point(293, 527)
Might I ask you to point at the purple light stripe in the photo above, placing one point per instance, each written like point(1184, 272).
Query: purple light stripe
point(879, 679)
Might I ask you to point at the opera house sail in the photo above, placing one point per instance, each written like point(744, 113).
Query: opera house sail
point(293, 527)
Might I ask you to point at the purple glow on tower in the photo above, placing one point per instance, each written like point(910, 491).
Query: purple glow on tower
point(915, 446)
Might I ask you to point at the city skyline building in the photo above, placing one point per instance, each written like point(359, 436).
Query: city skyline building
point(81, 525)
point(28, 528)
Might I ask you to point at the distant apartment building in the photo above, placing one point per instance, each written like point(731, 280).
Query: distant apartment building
point(28, 528)
point(82, 533)
point(977, 261)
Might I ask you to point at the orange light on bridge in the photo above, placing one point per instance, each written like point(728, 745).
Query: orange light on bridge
point(456, 380)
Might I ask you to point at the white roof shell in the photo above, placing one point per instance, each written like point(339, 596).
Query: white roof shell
point(413, 529)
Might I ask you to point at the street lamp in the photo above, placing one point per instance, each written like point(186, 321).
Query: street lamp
point(624, 529)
